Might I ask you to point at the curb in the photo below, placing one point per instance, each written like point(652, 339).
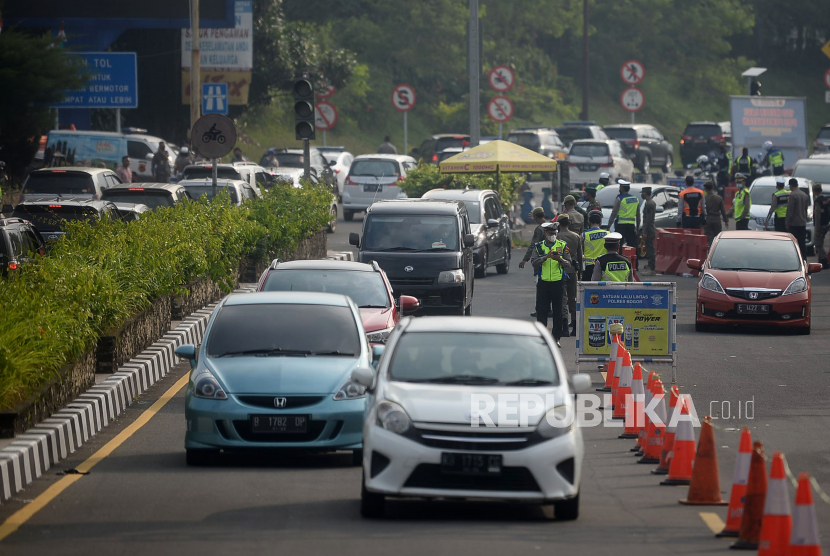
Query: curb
point(32, 453)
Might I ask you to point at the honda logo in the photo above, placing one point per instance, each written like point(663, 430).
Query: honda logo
point(280, 402)
point(753, 295)
point(408, 269)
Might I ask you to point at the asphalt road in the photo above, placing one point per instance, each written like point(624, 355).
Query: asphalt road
point(142, 498)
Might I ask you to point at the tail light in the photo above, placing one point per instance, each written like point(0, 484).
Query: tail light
point(684, 138)
point(400, 179)
point(12, 266)
point(609, 164)
point(58, 171)
point(435, 157)
point(571, 163)
point(55, 206)
point(337, 170)
point(634, 143)
point(349, 181)
point(135, 189)
point(717, 138)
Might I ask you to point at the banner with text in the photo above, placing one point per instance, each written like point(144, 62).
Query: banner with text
point(781, 120)
point(225, 49)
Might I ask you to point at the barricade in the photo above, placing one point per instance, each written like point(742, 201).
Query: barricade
point(729, 196)
point(630, 253)
point(677, 245)
point(667, 259)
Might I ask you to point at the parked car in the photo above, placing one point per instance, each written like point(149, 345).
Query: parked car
point(130, 212)
point(761, 192)
point(340, 161)
point(543, 140)
point(294, 158)
point(417, 435)
point(450, 152)
point(154, 195)
point(665, 197)
point(816, 168)
point(274, 372)
point(754, 278)
point(72, 182)
point(588, 158)
point(425, 246)
point(374, 177)
point(571, 131)
point(821, 144)
point(703, 138)
point(253, 174)
point(366, 284)
point(488, 223)
point(238, 190)
point(20, 242)
point(644, 145)
point(430, 149)
point(49, 214)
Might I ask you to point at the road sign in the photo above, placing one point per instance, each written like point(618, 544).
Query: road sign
point(214, 98)
point(213, 135)
point(500, 109)
point(632, 99)
point(113, 82)
point(827, 78)
point(826, 49)
point(632, 72)
point(502, 79)
point(325, 115)
point(325, 92)
point(404, 97)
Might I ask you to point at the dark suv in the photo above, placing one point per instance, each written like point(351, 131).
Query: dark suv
point(154, 195)
point(703, 138)
point(49, 214)
point(571, 131)
point(19, 242)
point(431, 148)
point(644, 145)
point(543, 140)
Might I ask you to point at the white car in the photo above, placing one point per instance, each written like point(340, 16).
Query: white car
point(420, 434)
point(588, 158)
point(294, 177)
point(374, 177)
point(239, 191)
point(761, 192)
point(340, 161)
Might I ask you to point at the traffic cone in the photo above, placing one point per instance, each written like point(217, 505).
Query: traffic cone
point(705, 487)
point(641, 436)
point(756, 492)
point(657, 432)
point(634, 409)
point(804, 538)
point(619, 360)
point(668, 441)
point(777, 524)
point(616, 347)
point(683, 460)
point(624, 387)
point(736, 499)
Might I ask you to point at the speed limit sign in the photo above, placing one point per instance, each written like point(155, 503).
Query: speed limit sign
point(632, 99)
point(500, 109)
point(403, 97)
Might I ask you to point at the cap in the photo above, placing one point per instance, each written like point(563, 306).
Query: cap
point(613, 237)
point(647, 190)
point(740, 177)
point(538, 211)
point(550, 226)
point(569, 199)
point(779, 180)
point(624, 183)
point(591, 190)
point(563, 218)
point(604, 176)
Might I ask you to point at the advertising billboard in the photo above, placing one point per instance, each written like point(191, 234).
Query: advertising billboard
point(782, 120)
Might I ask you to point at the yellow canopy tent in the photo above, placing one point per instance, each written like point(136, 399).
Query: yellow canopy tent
point(497, 156)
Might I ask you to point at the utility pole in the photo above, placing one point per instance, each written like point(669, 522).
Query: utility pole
point(473, 67)
point(585, 64)
point(195, 60)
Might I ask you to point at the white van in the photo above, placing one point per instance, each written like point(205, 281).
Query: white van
point(374, 177)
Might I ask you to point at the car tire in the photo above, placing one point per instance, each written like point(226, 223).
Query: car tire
point(199, 458)
point(567, 510)
point(482, 273)
point(333, 222)
point(645, 166)
point(701, 327)
point(667, 167)
point(372, 505)
point(357, 458)
point(504, 267)
point(803, 330)
point(348, 215)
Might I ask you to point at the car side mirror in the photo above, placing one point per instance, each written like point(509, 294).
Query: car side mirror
point(581, 383)
point(696, 264)
point(364, 376)
point(812, 268)
point(660, 209)
point(149, 156)
point(469, 240)
point(408, 304)
point(492, 223)
point(187, 351)
point(354, 239)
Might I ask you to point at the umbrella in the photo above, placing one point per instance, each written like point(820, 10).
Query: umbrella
point(497, 156)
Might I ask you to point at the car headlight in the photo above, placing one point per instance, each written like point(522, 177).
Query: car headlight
point(557, 421)
point(350, 390)
point(481, 238)
point(799, 285)
point(392, 417)
point(451, 277)
point(206, 386)
point(710, 283)
point(379, 336)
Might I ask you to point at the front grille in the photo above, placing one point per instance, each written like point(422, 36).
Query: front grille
point(734, 315)
point(745, 294)
point(291, 402)
point(410, 281)
point(512, 479)
point(472, 440)
point(243, 429)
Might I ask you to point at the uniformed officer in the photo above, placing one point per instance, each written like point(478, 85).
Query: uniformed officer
point(744, 165)
point(593, 243)
point(649, 231)
point(741, 204)
point(691, 210)
point(538, 215)
point(627, 213)
point(774, 159)
point(577, 219)
point(716, 210)
point(612, 267)
point(604, 179)
point(550, 256)
point(574, 242)
point(778, 206)
point(591, 197)
point(821, 222)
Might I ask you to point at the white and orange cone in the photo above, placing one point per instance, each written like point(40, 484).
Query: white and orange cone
point(624, 387)
point(634, 407)
point(777, 524)
point(739, 480)
point(804, 538)
point(653, 446)
point(616, 355)
point(683, 457)
point(668, 442)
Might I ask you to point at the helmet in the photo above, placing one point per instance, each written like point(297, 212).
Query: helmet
point(768, 145)
point(547, 226)
point(604, 176)
point(185, 150)
point(702, 159)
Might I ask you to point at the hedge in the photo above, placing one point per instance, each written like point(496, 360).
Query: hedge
point(98, 276)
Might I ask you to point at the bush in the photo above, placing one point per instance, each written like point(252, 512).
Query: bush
point(428, 176)
point(100, 275)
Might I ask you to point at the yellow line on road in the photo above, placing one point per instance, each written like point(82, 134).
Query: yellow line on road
point(713, 521)
point(20, 517)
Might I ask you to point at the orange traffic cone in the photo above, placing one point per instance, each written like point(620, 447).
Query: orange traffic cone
point(778, 522)
point(616, 352)
point(683, 460)
point(668, 441)
point(634, 409)
point(618, 369)
point(624, 387)
point(756, 492)
point(705, 487)
point(804, 539)
point(736, 499)
point(657, 431)
point(649, 394)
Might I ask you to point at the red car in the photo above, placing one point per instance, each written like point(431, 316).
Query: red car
point(754, 278)
point(366, 284)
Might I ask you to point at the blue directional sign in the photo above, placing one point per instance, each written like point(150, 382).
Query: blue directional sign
point(215, 98)
point(113, 82)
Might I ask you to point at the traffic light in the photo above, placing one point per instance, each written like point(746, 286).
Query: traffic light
point(304, 108)
point(755, 89)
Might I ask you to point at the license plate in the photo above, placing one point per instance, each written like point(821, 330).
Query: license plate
point(588, 167)
point(372, 188)
point(279, 423)
point(746, 309)
point(470, 464)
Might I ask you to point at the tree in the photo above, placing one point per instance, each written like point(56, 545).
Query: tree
point(33, 75)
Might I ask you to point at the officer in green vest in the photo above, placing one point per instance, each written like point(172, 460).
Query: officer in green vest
point(741, 204)
point(612, 267)
point(593, 243)
point(604, 179)
point(778, 206)
point(744, 165)
point(550, 257)
point(774, 159)
point(627, 213)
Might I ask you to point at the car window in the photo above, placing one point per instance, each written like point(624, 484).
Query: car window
point(153, 198)
point(113, 180)
point(823, 133)
point(590, 150)
point(52, 217)
point(622, 133)
point(196, 191)
point(703, 130)
point(32, 240)
point(491, 211)
point(375, 168)
point(763, 255)
point(60, 182)
point(446, 142)
point(526, 140)
point(660, 198)
point(248, 193)
point(290, 160)
point(202, 172)
point(138, 150)
point(367, 289)
point(4, 248)
point(411, 233)
point(263, 179)
point(674, 198)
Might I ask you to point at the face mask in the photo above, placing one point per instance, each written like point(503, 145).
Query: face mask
point(740, 186)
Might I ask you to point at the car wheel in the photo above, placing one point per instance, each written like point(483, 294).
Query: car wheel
point(803, 330)
point(567, 510)
point(348, 215)
point(504, 267)
point(372, 505)
point(357, 458)
point(482, 273)
point(333, 222)
point(646, 165)
point(701, 327)
point(668, 164)
point(199, 458)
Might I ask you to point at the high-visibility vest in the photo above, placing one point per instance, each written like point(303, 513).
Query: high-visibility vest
point(739, 204)
point(551, 269)
point(783, 198)
point(744, 164)
point(600, 186)
point(616, 269)
point(776, 158)
point(729, 158)
point(594, 245)
point(628, 209)
point(692, 201)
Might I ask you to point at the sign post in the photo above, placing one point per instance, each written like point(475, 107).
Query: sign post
point(632, 73)
point(403, 99)
point(500, 109)
point(213, 136)
point(501, 79)
point(632, 99)
point(325, 117)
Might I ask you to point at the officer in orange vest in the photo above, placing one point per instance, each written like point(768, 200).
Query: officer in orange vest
point(691, 211)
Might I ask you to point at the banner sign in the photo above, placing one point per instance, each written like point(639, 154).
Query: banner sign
point(113, 82)
point(781, 120)
point(225, 49)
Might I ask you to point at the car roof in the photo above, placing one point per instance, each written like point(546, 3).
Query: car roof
point(456, 194)
point(637, 187)
point(54, 200)
point(623, 126)
point(819, 158)
point(325, 264)
point(472, 325)
point(398, 157)
point(453, 135)
point(415, 206)
point(706, 123)
point(63, 169)
point(755, 234)
point(142, 185)
point(770, 180)
point(219, 182)
point(203, 163)
point(288, 298)
point(286, 150)
point(15, 221)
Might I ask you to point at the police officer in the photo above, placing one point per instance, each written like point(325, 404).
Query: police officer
point(593, 243)
point(724, 166)
point(741, 204)
point(627, 213)
point(549, 256)
point(591, 197)
point(574, 242)
point(577, 219)
point(774, 159)
point(612, 267)
point(691, 210)
point(821, 222)
point(604, 179)
point(716, 210)
point(649, 231)
point(778, 206)
point(744, 165)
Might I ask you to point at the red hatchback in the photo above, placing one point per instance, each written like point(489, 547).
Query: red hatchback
point(366, 284)
point(754, 278)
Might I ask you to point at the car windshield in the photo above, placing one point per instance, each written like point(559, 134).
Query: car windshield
point(51, 217)
point(764, 255)
point(444, 155)
point(569, 134)
point(367, 289)
point(527, 140)
point(762, 193)
point(823, 133)
point(473, 208)
point(620, 133)
point(152, 198)
point(590, 150)
point(274, 329)
point(290, 160)
point(202, 172)
point(703, 130)
point(196, 191)
point(817, 172)
point(375, 168)
point(475, 358)
point(59, 182)
point(410, 233)
point(447, 142)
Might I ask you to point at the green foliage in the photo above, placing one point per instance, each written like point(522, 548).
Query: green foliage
point(428, 176)
point(100, 275)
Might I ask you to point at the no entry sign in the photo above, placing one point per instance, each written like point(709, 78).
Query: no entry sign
point(502, 79)
point(632, 99)
point(632, 72)
point(500, 109)
point(325, 92)
point(404, 97)
point(325, 115)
